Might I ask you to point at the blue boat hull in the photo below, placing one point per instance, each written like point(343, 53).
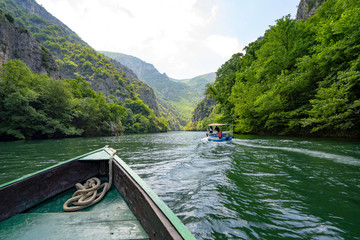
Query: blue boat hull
point(222, 139)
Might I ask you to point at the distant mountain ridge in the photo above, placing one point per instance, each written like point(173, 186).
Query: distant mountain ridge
point(199, 82)
point(183, 95)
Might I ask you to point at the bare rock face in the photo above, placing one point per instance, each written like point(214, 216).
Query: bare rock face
point(307, 8)
point(203, 109)
point(17, 43)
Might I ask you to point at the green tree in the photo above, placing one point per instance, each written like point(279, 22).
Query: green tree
point(301, 78)
point(32, 105)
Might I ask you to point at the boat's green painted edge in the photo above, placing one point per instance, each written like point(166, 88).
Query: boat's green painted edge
point(175, 221)
point(53, 166)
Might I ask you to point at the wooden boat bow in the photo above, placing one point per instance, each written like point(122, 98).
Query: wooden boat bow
point(154, 215)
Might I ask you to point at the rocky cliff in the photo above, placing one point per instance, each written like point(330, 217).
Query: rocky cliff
point(75, 58)
point(307, 8)
point(202, 115)
point(17, 43)
point(203, 109)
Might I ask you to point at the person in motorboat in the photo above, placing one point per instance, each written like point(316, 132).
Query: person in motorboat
point(217, 135)
point(218, 132)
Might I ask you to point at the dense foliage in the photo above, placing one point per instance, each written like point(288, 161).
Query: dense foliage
point(301, 78)
point(78, 110)
point(37, 106)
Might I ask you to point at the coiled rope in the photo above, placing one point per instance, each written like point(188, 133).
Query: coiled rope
point(87, 194)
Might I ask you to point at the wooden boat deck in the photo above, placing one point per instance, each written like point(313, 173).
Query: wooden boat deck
point(31, 206)
point(109, 219)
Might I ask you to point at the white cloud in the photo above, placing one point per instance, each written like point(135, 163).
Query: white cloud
point(173, 35)
point(224, 46)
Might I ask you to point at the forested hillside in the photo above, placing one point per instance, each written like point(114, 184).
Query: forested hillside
point(301, 78)
point(81, 67)
point(178, 95)
point(73, 56)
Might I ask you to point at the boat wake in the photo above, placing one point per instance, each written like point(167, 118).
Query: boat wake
point(318, 154)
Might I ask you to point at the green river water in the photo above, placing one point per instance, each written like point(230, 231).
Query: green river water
point(250, 188)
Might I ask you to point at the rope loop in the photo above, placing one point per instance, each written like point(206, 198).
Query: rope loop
point(89, 194)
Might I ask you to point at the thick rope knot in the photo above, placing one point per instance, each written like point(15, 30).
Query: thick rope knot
point(87, 194)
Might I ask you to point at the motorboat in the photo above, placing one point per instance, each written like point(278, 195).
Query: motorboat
point(219, 132)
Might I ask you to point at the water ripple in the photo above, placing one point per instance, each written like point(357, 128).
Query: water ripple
point(337, 158)
point(250, 188)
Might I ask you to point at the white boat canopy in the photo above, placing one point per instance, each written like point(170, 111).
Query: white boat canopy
point(219, 124)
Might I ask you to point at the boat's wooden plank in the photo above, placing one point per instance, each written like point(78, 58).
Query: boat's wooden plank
point(111, 218)
point(24, 193)
point(21, 195)
point(151, 217)
point(78, 225)
point(51, 167)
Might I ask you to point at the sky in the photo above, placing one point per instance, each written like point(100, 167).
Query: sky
point(182, 38)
